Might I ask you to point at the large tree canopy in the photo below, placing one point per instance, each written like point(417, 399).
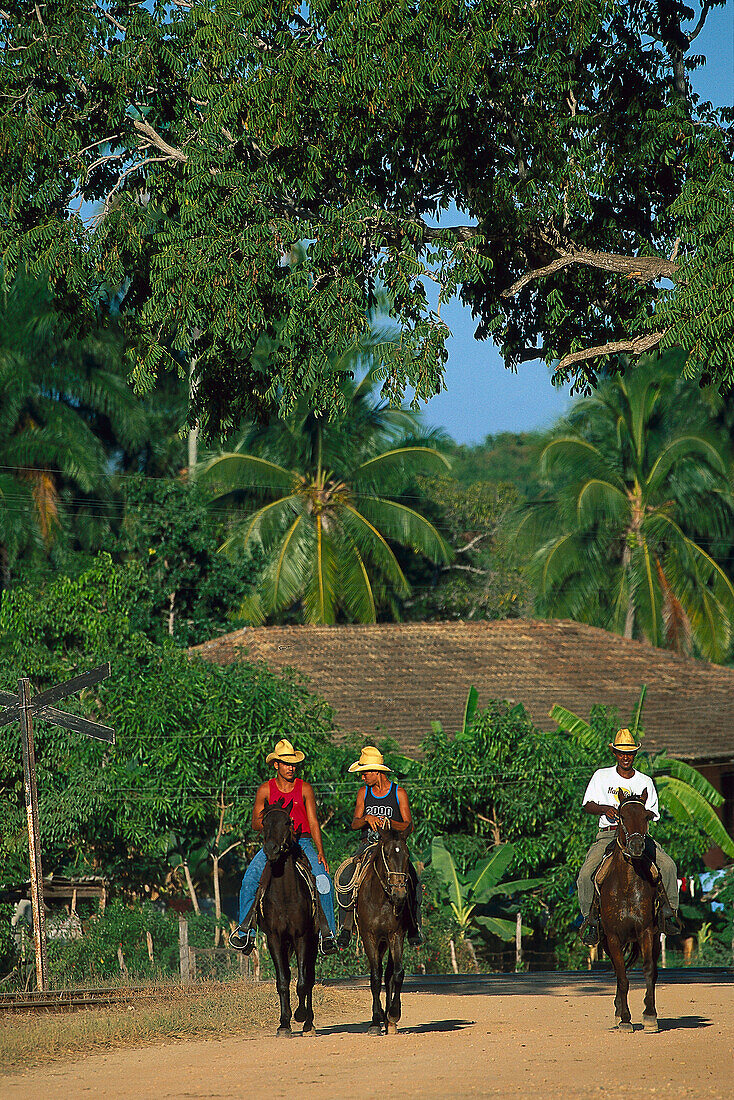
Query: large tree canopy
point(594, 192)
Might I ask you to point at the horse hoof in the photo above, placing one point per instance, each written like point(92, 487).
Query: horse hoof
point(299, 1015)
point(624, 1025)
point(309, 1032)
point(374, 1029)
point(392, 1029)
point(285, 1031)
point(650, 1023)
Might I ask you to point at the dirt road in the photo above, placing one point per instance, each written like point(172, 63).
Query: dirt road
point(558, 1042)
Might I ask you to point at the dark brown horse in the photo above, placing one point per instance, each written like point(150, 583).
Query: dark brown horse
point(382, 912)
point(287, 909)
point(627, 909)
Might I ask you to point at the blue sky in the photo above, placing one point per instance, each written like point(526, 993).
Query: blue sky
point(482, 396)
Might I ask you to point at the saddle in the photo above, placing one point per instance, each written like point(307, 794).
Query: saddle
point(602, 870)
point(304, 870)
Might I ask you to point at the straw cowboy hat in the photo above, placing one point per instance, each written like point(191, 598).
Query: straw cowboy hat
point(623, 742)
point(285, 753)
point(370, 760)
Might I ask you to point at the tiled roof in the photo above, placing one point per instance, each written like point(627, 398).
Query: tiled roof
point(395, 678)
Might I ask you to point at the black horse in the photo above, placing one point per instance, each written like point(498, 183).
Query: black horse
point(286, 906)
point(628, 911)
point(382, 911)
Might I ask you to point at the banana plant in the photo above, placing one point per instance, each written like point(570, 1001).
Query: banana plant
point(683, 792)
point(470, 896)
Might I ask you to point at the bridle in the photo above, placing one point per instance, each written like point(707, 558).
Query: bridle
point(287, 842)
point(396, 880)
point(629, 838)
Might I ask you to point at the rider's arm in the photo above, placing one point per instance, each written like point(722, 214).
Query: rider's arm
point(361, 819)
point(406, 825)
point(601, 811)
point(309, 802)
point(257, 809)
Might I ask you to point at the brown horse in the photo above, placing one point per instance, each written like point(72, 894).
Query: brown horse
point(382, 912)
point(287, 917)
point(627, 909)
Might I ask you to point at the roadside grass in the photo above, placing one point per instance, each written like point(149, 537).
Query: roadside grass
point(163, 1013)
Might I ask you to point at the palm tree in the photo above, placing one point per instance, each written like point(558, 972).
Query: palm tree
point(638, 487)
point(59, 395)
point(683, 791)
point(326, 505)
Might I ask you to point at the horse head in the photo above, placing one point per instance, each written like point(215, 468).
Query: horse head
point(633, 820)
point(278, 832)
point(391, 863)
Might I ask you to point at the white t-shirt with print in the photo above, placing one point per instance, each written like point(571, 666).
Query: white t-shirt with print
point(606, 785)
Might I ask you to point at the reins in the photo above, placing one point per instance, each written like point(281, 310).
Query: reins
point(628, 836)
point(289, 841)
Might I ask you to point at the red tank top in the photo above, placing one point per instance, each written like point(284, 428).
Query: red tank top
point(293, 802)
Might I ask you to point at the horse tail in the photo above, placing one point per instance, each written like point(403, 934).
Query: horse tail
point(632, 956)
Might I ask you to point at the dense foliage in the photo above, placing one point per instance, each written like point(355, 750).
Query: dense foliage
point(636, 509)
point(320, 499)
point(594, 190)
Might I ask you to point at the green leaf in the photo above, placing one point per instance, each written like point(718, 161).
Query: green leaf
point(505, 929)
point(470, 709)
point(577, 727)
point(686, 804)
point(490, 871)
point(443, 863)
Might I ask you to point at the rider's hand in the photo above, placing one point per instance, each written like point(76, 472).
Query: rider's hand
point(322, 861)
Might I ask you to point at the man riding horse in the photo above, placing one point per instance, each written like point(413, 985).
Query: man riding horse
point(298, 799)
point(381, 804)
point(606, 788)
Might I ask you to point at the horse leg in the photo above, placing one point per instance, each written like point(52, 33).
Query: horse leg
point(306, 955)
point(621, 1006)
point(374, 953)
point(394, 975)
point(279, 954)
point(650, 953)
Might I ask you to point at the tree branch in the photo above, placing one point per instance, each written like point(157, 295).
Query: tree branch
point(643, 269)
point(635, 346)
point(154, 138)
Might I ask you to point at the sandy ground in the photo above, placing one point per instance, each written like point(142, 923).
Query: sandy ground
point(554, 1043)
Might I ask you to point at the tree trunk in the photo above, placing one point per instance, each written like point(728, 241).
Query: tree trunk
point(217, 899)
point(473, 954)
point(171, 614)
point(629, 620)
point(192, 891)
point(452, 950)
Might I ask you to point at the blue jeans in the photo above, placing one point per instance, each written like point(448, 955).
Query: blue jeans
point(251, 881)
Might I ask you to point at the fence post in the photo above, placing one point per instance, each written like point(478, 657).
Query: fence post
point(663, 961)
point(183, 948)
point(34, 836)
point(518, 942)
point(149, 941)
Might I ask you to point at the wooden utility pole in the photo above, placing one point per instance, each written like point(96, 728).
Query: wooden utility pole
point(23, 709)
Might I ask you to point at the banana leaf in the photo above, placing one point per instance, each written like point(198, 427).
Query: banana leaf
point(686, 804)
point(490, 871)
point(505, 929)
point(516, 886)
point(688, 775)
point(577, 727)
point(443, 863)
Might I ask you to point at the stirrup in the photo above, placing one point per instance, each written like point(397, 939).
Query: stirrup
point(246, 943)
point(328, 944)
point(589, 932)
point(344, 938)
point(415, 938)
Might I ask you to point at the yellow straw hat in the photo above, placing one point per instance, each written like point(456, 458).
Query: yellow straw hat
point(623, 741)
point(370, 760)
point(285, 753)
